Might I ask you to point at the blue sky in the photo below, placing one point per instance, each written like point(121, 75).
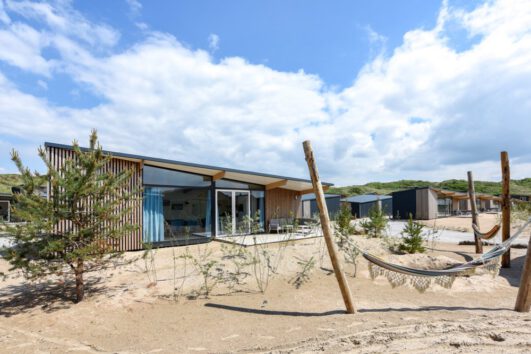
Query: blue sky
point(329, 39)
point(388, 89)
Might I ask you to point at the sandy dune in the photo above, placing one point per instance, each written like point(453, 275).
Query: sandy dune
point(122, 314)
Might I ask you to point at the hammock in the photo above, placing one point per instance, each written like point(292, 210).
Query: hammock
point(487, 235)
point(421, 279)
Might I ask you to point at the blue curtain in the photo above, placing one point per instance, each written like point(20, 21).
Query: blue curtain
point(208, 229)
point(153, 215)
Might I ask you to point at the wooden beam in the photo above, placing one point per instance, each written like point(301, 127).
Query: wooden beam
point(523, 300)
point(218, 175)
point(475, 221)
point(506, 206)
point(307, 191)
point(327, 230)
point(276, 184)
point(460, 197)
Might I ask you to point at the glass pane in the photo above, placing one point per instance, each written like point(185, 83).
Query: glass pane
point(164, 177)
point(444, 206)
point(225, 183)
point(225, 224)
point(242, 212)
point(258, 208)
point(176, 216)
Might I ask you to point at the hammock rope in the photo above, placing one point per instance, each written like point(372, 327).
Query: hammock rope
point(487, 235)
point(421, 279)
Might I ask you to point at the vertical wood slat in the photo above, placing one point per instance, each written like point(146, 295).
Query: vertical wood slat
point(280, 203)
point(132, 240)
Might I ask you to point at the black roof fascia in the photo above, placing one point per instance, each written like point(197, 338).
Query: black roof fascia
point(189, 164)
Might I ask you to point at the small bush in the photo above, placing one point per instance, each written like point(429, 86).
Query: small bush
point(376, 224)
point(412, 240)
point(343, 218)
point(303, 275)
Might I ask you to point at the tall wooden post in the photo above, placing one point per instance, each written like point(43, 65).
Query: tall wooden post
point(506, 206)
point(472, 196)
point(523, 300)
point(327, 231)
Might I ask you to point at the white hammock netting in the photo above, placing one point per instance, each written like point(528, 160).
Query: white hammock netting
point(422, 279)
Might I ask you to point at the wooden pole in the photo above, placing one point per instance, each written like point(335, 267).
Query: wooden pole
point(506, 206)
point(472, 196)
point(523, 300)
point(327, 231)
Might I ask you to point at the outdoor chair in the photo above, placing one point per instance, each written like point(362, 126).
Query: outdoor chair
point(276, 225)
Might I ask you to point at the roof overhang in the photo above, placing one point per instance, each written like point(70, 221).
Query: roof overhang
point(270, 181)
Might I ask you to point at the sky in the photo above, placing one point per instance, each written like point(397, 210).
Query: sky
point(384, 90)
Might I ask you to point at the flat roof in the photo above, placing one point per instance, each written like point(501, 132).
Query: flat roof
point(366, 198)
point(452, 194)
point(311, 196)
point(291, 183)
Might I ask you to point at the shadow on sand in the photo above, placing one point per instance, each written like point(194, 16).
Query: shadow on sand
point(433, 308)
point(466, 256)
point(514, 273)
point(339, 312)
point(273, 312)
point(47, 296)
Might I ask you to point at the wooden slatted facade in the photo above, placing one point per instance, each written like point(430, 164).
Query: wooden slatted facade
point(133, 240)
point(282, 203)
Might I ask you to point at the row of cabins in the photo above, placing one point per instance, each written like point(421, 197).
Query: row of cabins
point(185, 203)
point(423, 203)
point(360, 205)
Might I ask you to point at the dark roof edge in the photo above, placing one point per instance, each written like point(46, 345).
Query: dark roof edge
point(155, 159)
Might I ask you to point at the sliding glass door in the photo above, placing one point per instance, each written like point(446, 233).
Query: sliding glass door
point(232, 212)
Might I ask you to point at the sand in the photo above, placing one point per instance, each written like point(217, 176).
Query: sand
point(124, 313)
point(464, 223)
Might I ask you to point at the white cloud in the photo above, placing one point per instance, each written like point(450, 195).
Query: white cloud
point(213, 42)
point(163, 99)
point(3, 15)
point(21, 46)
point(134, 7)
point(42, 84)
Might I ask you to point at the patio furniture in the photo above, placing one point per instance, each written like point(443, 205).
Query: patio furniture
point(275, 225)
point(304, 229)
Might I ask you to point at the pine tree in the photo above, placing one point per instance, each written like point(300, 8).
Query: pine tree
point(412, 240)
point(376, 223)
point(84, 198)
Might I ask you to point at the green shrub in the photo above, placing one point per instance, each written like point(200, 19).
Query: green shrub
point(343, 218)
point(376, 224)
point(412, 240)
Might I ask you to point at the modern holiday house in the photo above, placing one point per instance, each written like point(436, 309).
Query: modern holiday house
point(310, 207)
point(361, 205)
point(427, 203)
point(185, 203)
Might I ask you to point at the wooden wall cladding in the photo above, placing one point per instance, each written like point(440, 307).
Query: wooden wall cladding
point(282, 203)
point(132, 240)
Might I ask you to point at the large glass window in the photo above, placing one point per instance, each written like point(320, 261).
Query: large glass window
point(258, 207)
point(164, 177)
point(444, 206)
point(232, 212)
point(177, 207)
point(228, 184)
